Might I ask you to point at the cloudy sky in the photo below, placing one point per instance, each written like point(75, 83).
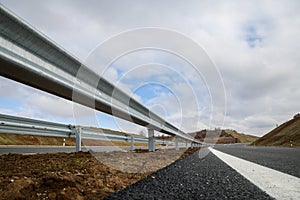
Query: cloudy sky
point(254, 46)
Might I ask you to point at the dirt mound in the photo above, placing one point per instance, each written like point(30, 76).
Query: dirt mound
point(59, 176)
point(72, 175)
point(286, 134)
point(223, 136)
point(243, 138)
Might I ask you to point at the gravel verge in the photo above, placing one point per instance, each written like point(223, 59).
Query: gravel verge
point(193, 178)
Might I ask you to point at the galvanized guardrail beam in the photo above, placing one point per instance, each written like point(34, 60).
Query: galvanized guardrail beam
point(29, 57)
point(19, 125)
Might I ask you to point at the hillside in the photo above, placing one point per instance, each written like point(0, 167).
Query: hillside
point(223, 136)
point(243, 138)
point(283, 135)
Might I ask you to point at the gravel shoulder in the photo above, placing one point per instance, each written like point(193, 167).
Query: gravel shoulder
point(193, 178)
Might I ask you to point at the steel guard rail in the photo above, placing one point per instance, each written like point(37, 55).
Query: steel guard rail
point(20, 125)
point(29, 57)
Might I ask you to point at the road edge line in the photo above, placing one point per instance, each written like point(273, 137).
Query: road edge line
point(275, 183)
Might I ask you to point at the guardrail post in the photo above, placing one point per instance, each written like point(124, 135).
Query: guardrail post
point(131, 143)
point(78, 139)
point(151, 142)
point(186, 144)
point(176, 143)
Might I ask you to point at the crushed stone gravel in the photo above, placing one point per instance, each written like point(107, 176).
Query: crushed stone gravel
point(193, 178)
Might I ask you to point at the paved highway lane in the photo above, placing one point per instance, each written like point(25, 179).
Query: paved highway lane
point(284, 159)
point(54, 149)
point(214, 177)
point(275, 183)
point(22, 149)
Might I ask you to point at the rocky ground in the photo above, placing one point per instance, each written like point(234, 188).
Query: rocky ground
point(78, 175)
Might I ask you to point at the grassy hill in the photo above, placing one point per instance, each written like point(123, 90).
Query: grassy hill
point(282, 135)
point(243, 138)
point(223, 136)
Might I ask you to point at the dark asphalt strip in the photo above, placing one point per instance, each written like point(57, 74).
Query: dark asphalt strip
point(193, 178)
point(36, 149)
point(284, 159)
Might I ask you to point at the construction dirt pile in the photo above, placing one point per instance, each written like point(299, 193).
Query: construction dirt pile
point(218, 136)
point(78, 175)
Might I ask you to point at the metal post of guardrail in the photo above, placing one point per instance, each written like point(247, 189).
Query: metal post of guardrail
point(176, 143)
point(186, 144)
point(131, 143)
point(151, 142)
point(78, 132)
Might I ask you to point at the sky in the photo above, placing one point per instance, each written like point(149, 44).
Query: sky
point(251, 47)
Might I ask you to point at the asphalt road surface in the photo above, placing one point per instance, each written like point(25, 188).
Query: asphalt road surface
point(193, 178)
point(22, 149)
point(31, 149)
point(53, 149)
point(210, 178)
point(284, 159)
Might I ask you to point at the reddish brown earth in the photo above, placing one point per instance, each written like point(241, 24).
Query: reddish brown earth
point(69, 175)
point(223, 136)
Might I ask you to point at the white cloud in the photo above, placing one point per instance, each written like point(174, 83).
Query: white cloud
point(261, 76)
point(51, 105)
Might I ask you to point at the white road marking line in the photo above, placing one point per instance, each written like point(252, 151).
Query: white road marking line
point(277, 184)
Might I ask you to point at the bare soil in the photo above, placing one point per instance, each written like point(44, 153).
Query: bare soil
point(78, 175)
point(287, 134)
point(223, 136)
